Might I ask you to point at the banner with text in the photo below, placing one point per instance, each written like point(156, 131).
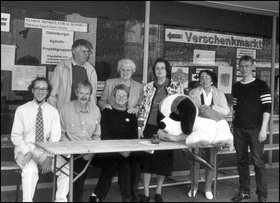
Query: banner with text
point(207, 38)
point(55, 24)
point(56, 46)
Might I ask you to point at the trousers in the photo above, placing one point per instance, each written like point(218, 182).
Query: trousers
point(242, 139)
point(30, 176)
point(129, 173)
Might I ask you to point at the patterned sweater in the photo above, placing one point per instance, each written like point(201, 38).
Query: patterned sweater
point(149, 93)
point(250, 101)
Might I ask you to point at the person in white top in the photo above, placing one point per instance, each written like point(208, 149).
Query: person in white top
point(25, 132)
point(207, 96)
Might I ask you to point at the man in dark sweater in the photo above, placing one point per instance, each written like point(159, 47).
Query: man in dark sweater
point(251, 106)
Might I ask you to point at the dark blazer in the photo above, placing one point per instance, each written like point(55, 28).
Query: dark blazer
point(135, 93)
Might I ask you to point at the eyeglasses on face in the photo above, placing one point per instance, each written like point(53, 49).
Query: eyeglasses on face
point(38, 89)
point(85, 52)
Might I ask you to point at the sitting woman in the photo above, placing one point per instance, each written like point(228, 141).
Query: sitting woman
point(117, 123)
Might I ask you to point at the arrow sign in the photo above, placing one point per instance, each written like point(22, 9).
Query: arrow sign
point(174, 36)
point(195, 77)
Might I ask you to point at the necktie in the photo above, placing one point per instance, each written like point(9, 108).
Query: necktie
point(39, 126)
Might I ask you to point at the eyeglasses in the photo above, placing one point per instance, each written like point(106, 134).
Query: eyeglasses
point(121, 96)
point(38, 89)
point(86, 52)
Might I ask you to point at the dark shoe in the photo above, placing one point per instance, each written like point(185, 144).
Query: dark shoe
point(240, 196)
point(262, 199)
point(158, 198)
point(94, 199)
point(143, 198)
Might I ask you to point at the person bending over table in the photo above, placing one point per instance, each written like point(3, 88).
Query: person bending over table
point(117, 123)
point(160, 162)
point(38, 121)
point(80, 121)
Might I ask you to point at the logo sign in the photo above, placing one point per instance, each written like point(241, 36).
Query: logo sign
point(5, 22)
point(55, 24)
point(207, 38)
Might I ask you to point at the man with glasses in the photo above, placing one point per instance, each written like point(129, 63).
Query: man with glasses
point(252, 106)
point(70, 72)
point(38, 121)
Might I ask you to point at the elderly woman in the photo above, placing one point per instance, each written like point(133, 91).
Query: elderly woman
point(126, 68)
point(207, 96)
point(117, 123)
point(161, 162)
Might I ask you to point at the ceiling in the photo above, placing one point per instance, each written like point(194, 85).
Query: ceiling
point(257, 7)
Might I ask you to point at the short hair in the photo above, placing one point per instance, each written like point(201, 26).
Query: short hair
point(167, 67)
point(84, 83)
point(121, 87)
point(208, 72)
point(84, 43)
point(247, 58)
point(31, 86)
point(128, 61)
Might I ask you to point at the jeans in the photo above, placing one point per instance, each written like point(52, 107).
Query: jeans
point(242, 139)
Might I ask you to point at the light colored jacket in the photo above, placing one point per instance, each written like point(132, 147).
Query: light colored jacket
point(149, 93)
point(61, 82)
point(219, 99)
point(135, 93)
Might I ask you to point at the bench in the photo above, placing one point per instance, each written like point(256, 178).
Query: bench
point(12, 166)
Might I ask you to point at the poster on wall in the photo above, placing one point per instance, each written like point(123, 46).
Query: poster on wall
point(5, 22)
point(243, 52)
point(203, 57)
point(180, 74)
point(22, 76)
point(56, 46)
point(225, 79)
point(8, 53)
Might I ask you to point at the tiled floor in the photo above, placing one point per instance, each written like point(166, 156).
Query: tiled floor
point(226, 190)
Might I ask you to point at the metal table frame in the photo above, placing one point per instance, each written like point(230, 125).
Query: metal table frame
point(107, 146)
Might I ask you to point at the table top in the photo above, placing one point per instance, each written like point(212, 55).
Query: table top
point(106, 146)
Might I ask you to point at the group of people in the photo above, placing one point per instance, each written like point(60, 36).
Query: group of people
point(66, 109)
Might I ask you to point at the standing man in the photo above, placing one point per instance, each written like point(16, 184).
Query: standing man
point(70, 72)
point(37, 121)
point(80, 121)
point(252, 106)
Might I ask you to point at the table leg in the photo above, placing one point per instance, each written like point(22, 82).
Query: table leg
point(192, 176)
point(54, 178)
point(216, 172)
point(71, 168)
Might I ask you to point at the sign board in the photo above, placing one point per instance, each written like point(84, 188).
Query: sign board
point(55, 24)
point(208, 38)
point(5, 22)
point(56, 46)
point(22, 76)
point(8, 53)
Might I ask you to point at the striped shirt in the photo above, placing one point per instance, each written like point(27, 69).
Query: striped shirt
point(250, 101)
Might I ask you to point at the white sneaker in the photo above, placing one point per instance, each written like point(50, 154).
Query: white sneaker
point(194, 192)
point(208, 195)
